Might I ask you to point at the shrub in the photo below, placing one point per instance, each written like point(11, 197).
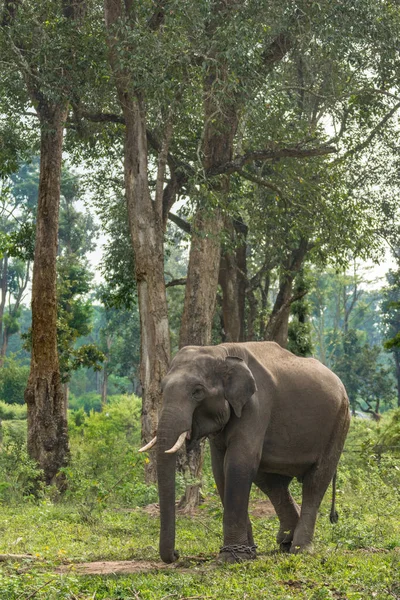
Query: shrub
point(13, 380)
point(10, 412)
point(19, 475)
point(105, 467)
point(89, 401)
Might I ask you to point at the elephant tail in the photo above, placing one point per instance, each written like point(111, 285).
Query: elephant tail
point(333, 515)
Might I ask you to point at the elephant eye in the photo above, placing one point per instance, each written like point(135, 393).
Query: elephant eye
point(198, 393)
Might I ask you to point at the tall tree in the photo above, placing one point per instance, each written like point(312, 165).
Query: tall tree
point(147, 217)
point(39, 37)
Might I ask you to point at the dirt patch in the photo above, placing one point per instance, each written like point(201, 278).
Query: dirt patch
point(113, 567)
point(121, 567)
point(257, 508)
point(152, 509)
point(261, 508)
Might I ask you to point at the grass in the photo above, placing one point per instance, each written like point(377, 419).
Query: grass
point(357, 559)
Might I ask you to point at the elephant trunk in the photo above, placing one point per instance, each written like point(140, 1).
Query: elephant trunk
point(167, 435)
point(166, 490)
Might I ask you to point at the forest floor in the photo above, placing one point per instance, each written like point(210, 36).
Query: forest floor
point(113, 555)
point(258, 508)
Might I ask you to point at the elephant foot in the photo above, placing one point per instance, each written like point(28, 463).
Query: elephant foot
point(301, 549)
point(284, 539)
point(285, 546)
point(169, 557)
point(236, 553)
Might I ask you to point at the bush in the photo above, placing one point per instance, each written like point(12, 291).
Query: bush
point(105, 468)
point(389, 432)
point(13, 381)
point(89, 401)
point(19, 475)
point(9, 412)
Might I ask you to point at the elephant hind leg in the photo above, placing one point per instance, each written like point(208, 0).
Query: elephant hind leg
point(315, 484)
point(277, 489)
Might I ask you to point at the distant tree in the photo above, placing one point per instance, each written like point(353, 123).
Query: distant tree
point(299, 330)
point(391, 319)
point(369, 384)
point(13, 380)
point(120, 343)
point(74, 316)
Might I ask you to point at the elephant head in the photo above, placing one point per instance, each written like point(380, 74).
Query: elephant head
point(202, 391)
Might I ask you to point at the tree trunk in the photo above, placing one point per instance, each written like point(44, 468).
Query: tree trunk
point(47, 424)
point(396, 354)
point(147, 234)
point(202, 280)
point(3, 289)
point(233, 281)
point(220, 125)
point(104, 385)
point(4, 346)
point(278, 323)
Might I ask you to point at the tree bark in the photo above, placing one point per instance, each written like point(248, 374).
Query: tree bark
point(3, 289)
point(47, 424)
point(220, 125)
point(147, 233)
point(278, 323)
point(233, 281)
point(396, 354)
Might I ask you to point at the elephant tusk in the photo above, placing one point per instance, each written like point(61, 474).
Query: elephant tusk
point(179, 443)
point(149, 445)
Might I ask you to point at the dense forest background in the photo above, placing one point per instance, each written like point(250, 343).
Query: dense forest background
point(343, 314)
point(240, 161)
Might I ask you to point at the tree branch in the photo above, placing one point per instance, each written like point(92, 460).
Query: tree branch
point(260, 181)
point(182, 224)
point(277, 49)
point(269, 154)
point(175, 282)
point(371, 136)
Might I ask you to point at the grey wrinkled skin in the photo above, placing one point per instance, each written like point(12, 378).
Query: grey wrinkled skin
point(270, 416)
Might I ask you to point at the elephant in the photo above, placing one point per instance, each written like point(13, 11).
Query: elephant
point(270, 416)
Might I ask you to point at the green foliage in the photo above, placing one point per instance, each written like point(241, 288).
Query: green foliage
point(389, 435)
point(367, 382)
point(347, 332)
point(91, 401)
point(19, 243)
point(357, 558)
point(13, 380)
point(391, 311)
point(105, 468)
point(12, 412)
point(19, 474)
point(299, 333)
point(74, 317)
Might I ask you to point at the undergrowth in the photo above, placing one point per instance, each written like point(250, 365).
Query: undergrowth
point(104, 516)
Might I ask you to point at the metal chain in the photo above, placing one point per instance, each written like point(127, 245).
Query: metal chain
point(235, 548)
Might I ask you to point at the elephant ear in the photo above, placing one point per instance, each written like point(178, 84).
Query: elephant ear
point(239, 383)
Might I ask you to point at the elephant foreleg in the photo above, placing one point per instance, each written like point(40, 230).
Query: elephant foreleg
point(217, 463)
point(277, 489)
point(238, 536)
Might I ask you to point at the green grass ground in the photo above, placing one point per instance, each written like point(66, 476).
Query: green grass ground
point(103, 518)
point(356, 559)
